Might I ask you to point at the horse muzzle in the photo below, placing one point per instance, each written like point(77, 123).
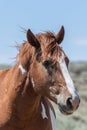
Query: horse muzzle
point(69, 105)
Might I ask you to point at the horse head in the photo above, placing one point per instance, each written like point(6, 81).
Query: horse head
point(49, 70)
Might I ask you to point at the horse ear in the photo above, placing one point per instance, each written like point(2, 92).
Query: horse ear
point(60, 35)
point(32, 39)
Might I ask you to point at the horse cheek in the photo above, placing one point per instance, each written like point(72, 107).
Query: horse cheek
point(40, 78)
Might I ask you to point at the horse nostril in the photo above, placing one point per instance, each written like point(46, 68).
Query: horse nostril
point(69, 102)
point(73, 103)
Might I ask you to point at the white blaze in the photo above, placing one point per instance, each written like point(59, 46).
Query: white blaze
point(66, 75)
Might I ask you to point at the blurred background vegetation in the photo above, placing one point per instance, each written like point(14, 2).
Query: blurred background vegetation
point(78, 120)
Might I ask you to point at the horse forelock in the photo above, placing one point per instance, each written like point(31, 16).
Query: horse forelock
point(49, 45)
point(54, 50)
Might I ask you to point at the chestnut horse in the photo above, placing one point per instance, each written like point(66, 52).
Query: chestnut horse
point(39, 75)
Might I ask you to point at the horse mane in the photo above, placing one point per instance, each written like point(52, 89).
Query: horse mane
point(25, 52)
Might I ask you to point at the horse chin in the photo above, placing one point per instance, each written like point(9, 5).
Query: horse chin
point(61, 108)
point(64, 111)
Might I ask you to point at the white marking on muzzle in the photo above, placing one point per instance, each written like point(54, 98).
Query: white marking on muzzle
point(22, 69)
point(43, 112)
point(66, 75)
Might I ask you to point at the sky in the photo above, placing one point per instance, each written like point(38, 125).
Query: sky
point(40, 16)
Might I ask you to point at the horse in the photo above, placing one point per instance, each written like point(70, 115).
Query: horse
point(39, 76)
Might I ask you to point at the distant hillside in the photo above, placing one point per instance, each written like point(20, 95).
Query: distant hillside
point(79, 74)
point(78, 67)
point(4, 66)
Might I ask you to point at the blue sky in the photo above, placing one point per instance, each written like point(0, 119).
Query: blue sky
point(42, 16)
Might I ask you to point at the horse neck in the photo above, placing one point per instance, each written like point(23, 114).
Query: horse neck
point(26, 102)
point(27, 105)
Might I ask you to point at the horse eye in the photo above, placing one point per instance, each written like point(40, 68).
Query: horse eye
point(47, 63)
